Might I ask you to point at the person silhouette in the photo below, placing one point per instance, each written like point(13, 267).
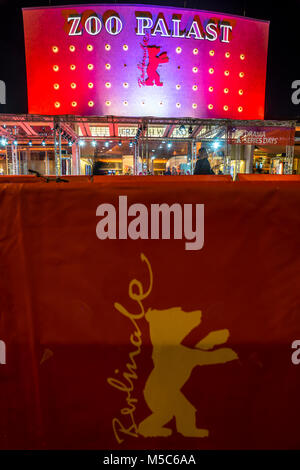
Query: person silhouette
point(202, 166)
point(98, 168)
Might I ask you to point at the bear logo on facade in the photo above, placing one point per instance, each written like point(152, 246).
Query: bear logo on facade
point(155, 60)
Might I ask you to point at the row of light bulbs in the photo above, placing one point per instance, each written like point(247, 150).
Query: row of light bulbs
point(73, 67)
point(125, 103)
point(4, 142)
point(90, 48)
point(211, 53)
point(106, 144)
point(73, 85)
point(211, 70)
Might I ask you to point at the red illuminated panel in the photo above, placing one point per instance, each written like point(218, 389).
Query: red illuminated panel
point(144, 61)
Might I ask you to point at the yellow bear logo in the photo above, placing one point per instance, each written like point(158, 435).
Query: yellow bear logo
point(173, 364)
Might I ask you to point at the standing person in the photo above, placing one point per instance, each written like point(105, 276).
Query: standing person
point(202, 166)
point(98, 168)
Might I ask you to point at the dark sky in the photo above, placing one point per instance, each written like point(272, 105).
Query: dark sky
point(283, 57)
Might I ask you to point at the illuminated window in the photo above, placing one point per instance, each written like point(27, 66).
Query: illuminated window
point(195, 69)
point(72, 67)
point(194, 105)
point(108, 85)
point(225, 107)
point(226, 73)
point(210, 106)
point(227, 54)
point(55, 49)
point(90, 66)
point(107, 66)
point(178, 50)
point(211, 70)
point(125, 103)
point(108, 103)
point(241, 74)
point(178, 105)
point(57, 104)
point(242, 56)
point(211, 53)
point(195, 51)
point(240, 109)
point(55, 68)
point(125, 47)
point(241, 92)
point(178, 87)
point(125, 85)
point(211, 89)
point(107, 47)
point(73, 85)
point(226, 90)
point(90, 85)
point(91, 104)
point(56, 86)
point(74, 104)
point(72, 48)
point(89, 47)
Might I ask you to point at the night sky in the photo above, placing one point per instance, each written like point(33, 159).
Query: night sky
point(283, 56)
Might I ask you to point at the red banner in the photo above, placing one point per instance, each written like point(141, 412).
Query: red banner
point(120, 330)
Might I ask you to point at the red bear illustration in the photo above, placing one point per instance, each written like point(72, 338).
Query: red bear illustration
point(154, 61)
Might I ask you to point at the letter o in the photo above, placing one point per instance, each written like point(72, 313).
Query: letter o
point(88, 25)
point(109, 25)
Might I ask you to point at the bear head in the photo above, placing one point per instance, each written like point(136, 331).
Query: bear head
point(172, 325)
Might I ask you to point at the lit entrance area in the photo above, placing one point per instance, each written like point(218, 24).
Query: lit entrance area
point(144, 146)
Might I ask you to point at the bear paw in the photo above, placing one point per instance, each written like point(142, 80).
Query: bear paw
point(159, 432)
point(195, 433)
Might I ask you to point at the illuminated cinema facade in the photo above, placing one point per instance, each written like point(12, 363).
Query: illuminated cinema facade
point(144, 61)
point(146, 86)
